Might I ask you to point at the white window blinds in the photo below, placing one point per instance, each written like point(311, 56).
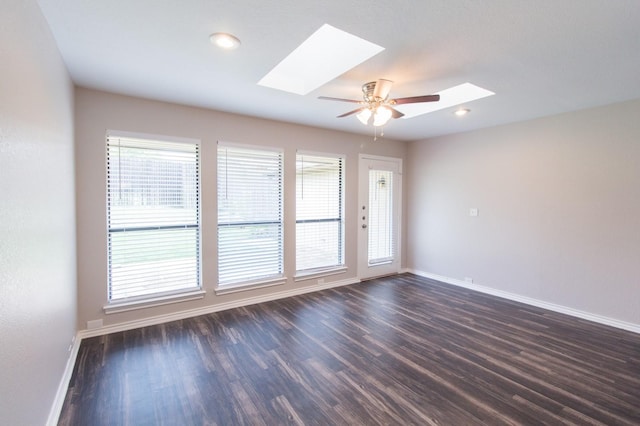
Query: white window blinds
point(319, 213)
point(153, 215)
point(381, 249)
point(250, 237)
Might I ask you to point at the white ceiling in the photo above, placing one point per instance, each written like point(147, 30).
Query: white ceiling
point(540, 57)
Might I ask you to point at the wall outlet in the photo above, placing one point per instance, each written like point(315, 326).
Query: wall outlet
point(473, 212)
point(469, 280)
point(94, 324)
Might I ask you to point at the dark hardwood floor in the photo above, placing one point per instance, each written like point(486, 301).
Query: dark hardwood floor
point(399, 350)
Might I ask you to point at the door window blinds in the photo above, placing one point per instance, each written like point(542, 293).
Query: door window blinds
point(153, 215)
point(381, 249)
point(319, 213)
point(250, 228)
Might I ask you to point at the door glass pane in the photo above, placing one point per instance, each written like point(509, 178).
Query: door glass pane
point(381, 248)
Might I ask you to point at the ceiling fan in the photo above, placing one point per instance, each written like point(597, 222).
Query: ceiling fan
point(377, 104)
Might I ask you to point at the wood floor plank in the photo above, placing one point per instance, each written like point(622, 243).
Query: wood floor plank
point(398, 350)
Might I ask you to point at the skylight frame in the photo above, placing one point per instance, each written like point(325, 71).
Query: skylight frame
point(456, 95)
point(328, 53)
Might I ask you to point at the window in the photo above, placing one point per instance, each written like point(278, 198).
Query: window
point(153, 217)
point(319, 213)
point(250, 237)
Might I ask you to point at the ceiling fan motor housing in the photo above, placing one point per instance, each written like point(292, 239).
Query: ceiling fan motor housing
point(376, 91)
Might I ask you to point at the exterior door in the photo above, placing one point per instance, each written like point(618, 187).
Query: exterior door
point(379, 212)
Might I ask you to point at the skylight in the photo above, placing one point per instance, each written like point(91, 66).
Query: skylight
point(456, 95)
point(326, 54)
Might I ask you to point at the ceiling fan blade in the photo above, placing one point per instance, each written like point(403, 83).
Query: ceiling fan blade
point(327, 98)
point(415, 99)
point(382, 89)
point(355, 111)
point(395, 113)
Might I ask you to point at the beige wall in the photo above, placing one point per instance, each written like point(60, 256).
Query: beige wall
point(559, 209)
point(37, 223)
point(98, 111)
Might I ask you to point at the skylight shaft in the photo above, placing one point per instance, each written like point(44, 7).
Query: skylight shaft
point(325, 55)
point(452, 96)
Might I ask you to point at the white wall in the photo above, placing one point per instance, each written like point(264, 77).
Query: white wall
point(37, 222)
point(559, 209)
point(98, 111)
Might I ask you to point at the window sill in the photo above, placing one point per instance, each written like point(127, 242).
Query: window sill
point(116, 307)
point(317, 274)
point(236, 288)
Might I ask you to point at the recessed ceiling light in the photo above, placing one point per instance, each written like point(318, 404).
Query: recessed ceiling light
point(225, 41)
point(457, 95)
point(462, 111)
point(326, 54)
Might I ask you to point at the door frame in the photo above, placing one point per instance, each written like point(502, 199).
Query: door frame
point(365, 271)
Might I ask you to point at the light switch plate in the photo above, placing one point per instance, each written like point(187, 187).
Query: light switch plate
point(473, 212)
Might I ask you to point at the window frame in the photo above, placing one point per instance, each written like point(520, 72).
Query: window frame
point(122, 304)
point(259, 282)
point(319, 271)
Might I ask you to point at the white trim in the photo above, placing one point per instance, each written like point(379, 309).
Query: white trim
point(308, 275)
point(320, 154)
point(383, 159)
point(151, 137)
point(235, 288)
point(63, 386)
point(252, 149)
point(131, 305)
point(61, 392)
point(303, 274)
point(600, 319)
point(363, 265)
point(160, 319)
point(156, 299)
point(249, 146)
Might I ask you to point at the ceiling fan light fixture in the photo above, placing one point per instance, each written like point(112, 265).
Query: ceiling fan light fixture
point(376, 103)
point(225, 41)
point(381, 116)
point(364, 116)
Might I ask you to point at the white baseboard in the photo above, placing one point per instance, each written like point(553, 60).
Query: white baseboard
point(160, 319)
point(61, 392)
point(130, 325)
point(56, 409)
point(533, 302)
